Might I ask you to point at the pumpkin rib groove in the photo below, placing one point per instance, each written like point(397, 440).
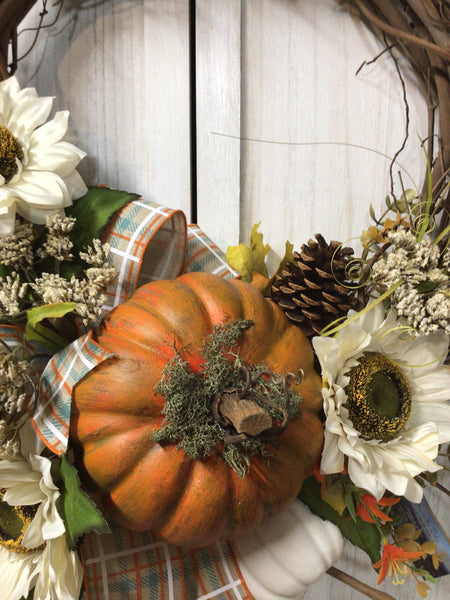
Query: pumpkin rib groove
point(167, 492)
point(192, 511)
point(108, 336)
point(119, 470)
point(262, 310)
point(208, 305)
point(175, 287)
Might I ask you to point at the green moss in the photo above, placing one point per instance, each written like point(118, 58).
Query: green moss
point(189, 422)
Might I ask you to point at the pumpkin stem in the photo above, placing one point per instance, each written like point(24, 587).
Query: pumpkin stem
point(245, 415)
point(225, 408)
point(233, 407)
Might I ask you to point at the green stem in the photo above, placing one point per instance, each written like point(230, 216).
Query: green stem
point(429, 200)
point(386, 294)
point(442, 235)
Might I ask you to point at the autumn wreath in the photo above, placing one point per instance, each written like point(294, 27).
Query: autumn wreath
point(227, 414)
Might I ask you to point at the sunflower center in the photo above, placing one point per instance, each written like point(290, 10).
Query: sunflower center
point(14, 521)
point(378, 397)
point(10, 150)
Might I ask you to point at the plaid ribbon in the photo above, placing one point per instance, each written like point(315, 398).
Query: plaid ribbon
point(203, 255)
point(12, 336)
point(129, 565)
point(148, 242)
point(51, 418)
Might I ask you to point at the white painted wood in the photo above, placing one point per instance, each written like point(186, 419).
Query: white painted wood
point(283, 78)
point(317, 132)
point(218, 57)
point(122, 69)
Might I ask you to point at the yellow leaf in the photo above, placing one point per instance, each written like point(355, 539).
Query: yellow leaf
point(240, 259)
point(247, 259)
point(288, 255)
point(259, 251)
point(437, 558)
point(429, 547)
point(422, 589)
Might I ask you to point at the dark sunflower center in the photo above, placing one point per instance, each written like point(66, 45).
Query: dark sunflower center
point(378, 397)
point(10, 150)
point(14, 521)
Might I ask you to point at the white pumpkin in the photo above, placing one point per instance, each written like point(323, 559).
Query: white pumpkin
point(288, 552)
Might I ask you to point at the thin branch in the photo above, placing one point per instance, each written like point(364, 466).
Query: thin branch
point(366, 63)
point(407, 37)
point(405, 139)
point(358, 585)
point(442, 488)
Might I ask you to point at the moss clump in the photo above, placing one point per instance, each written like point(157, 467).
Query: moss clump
point(189, 422)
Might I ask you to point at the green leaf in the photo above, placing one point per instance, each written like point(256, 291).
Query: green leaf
point(93, 212)
point(425, 287)
point(334, 494)
point(350, 504)
point(46, 337)
point(35, 331)
point(364, 535)
point(4, 271)
point(48, 311)
point(79, 513)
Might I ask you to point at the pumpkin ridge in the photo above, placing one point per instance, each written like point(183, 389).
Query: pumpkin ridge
point(208, 307)
point(190, 296)
point(110, 330)
point(262, 312)
point(172, 493)
point(120, 470)
point(193, 511)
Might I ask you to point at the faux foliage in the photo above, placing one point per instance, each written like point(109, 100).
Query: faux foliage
point(189, 421)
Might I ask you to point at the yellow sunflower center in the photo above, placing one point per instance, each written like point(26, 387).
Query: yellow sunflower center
point(10, 150)
point(14, 521)
point(378, 397)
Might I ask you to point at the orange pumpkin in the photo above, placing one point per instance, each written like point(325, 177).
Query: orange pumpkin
point(116, 410)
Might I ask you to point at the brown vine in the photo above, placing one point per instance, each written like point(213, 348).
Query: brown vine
point(12, 13)
point(420, 29)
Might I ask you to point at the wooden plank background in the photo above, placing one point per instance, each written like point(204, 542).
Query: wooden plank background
point(273, 125)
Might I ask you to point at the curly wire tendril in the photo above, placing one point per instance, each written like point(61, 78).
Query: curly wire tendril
point(353, 271)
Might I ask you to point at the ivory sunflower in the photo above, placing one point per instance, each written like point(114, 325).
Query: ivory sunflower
point(385, 398)
point(39, 558)
point(38, 173)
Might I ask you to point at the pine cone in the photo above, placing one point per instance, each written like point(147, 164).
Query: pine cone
point(316, 290)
